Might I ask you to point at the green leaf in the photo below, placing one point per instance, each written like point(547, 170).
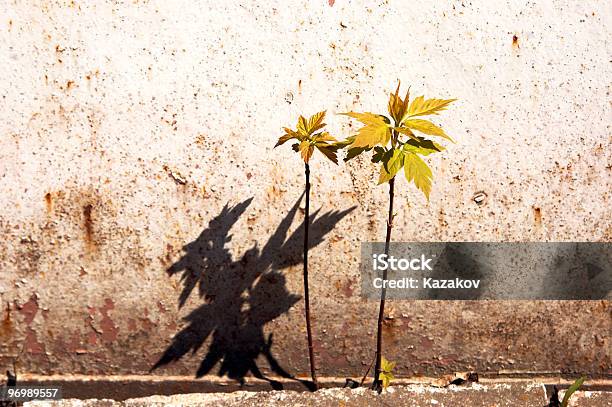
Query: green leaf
point(392, 162)
point(422, 146)
point(378, 154)
point(423, 107)
point(571, 390)
point(427, 127)
point(354, 152)
point(417, 170)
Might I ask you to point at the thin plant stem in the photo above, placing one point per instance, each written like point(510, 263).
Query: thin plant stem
point(377, 385)
point(313, 374)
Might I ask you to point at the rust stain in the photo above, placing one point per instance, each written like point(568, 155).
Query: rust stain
point(88, 225)
point(515, 41)
point(107, 326)
point(31, 343)
point(426, 343)
point(29, 309)
point(331, 2)
point(49, 202)
point(147, 324)
point(92, 338)
point(132, 324)
point(7, 324)
point(345, 288)
point(537, 215)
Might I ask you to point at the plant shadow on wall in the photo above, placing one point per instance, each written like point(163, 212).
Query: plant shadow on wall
point(240, 296)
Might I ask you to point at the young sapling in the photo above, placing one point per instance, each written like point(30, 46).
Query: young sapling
point(396, 146)
point(309, 135)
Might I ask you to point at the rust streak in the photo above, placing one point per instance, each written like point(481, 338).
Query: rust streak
point(537, 215)
point(7, 325)
point(29, 310)
point(49, 202)
point(88, 224)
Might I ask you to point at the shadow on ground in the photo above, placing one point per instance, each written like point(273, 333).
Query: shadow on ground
point(239, 296)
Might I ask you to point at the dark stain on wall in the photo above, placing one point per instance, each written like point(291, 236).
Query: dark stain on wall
point(49, 202)
point(537, 215)
point(88, 225)
point(6, 329)
point(29, 309)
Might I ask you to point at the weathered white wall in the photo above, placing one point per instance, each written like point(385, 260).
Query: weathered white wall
point(105, 105)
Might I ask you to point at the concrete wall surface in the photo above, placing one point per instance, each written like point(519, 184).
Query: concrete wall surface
point(146, 216)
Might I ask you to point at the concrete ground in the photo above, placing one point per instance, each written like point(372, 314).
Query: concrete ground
point(499, 395)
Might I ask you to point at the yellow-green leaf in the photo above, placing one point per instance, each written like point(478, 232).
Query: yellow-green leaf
point(417, 170)
point(396, 106)
point(315, 122)
point(386, 365)
point(423, 146)
point(385, 379)
point(283, 139)
point(302, 126)
point(289, 134)
point(369, 136)
point(406, 131)
point(324, 137)
point(386, 375)
point(427, 127)
point(367, 118)
point(375, 130)
point(391, 167)
point(306, 150)
point(422, 107)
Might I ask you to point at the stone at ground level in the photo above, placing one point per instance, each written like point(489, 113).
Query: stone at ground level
point(474, 395)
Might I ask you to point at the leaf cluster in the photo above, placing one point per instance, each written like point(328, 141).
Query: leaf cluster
point(394, 141)
point(309, 135)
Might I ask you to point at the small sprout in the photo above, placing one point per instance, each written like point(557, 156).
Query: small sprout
point(571, 390)
point(386, 372)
